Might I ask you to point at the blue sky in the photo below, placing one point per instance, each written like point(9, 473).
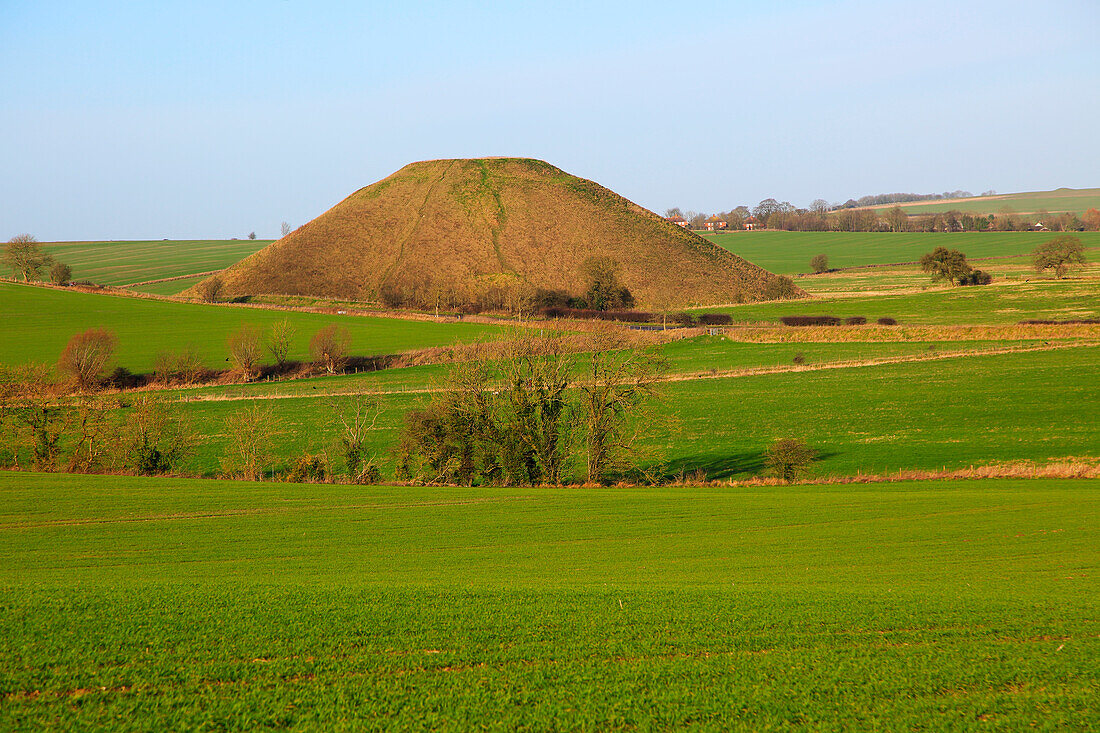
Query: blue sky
point(200, 119)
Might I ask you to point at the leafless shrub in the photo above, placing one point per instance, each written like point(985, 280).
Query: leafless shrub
point(60, 273)
point(210, 290)
point(788, 458)
point(251, 448)
point(329, 348)
point(154, 441)
point(245, 350)
point(279, 339)
point(87, 356)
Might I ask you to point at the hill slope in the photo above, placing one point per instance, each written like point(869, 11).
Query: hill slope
point(488, 231)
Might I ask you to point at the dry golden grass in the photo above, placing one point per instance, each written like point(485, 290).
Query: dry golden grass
point(464, 230)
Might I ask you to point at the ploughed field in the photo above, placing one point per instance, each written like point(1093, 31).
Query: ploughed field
point(171, 603)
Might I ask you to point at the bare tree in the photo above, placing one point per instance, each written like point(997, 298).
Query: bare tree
point(245, 350)
point(251, 448)
point(25, 256)
point(357, 417)
point(153, 440)
point(279, 340)
point(819, 206)
point(614, 386)
point(329, 348)
point(252, 235)
point(60, 273)
point(819, 263)
point(285, 228)
point(210, 289)
point(86, 357)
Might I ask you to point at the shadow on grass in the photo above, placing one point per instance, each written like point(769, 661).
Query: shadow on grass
point(737, 465)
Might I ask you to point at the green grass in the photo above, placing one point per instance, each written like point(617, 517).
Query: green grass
point(171, 604)
point(1064, 199)
point(926, 415)
point(39, 321)
point(1000, 303)
point(122, 263)
point(790, 252)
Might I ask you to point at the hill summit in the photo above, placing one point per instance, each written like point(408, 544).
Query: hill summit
point(485, 233)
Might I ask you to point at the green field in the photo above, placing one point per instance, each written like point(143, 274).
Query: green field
point(790, 252)
point(122, 263)
point(921, 415)
point(170, 604)
point(1000, 303)
point(1073, 200)
point(41, 320)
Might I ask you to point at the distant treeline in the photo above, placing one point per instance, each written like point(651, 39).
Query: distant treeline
point(820, 217)
point(884, 199)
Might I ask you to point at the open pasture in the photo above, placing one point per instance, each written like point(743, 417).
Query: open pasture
point(1003, 302)
point(122, 263)
point(922, 415)
point(789, 253)
point(167, 603)
point(39, 321)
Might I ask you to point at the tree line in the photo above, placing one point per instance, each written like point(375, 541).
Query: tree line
point(821, 217)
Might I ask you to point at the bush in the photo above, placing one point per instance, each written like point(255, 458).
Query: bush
point(210, 290)
point(976, 277)
point(820, 264)
point(245, 350)
point(855, 321)
point(714, 319)
point(789, 458)
point(308, 469)
point(799, 358)
point(887, 321)
point(60, 273)
point(329, 348)
point(810, 321)
point(86, 357)
point(183, 367)
point(779, 287)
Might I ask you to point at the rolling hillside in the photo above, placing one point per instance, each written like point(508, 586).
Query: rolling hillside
point(471, 230)
point(1073, 200)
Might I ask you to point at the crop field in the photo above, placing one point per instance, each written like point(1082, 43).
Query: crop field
point(790, 252)
point(931, 414)
point(1000, 303)
point(41, 320)
point(168, 604)
point(1073, 200)
point(122, 263)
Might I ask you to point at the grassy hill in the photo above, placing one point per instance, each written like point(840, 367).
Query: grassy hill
point(1073, 200)
point(471, 228)
point(176, 604)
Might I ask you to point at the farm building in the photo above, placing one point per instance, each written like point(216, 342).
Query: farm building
point(714, 223)
point(751, 223)
point(677, 220)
